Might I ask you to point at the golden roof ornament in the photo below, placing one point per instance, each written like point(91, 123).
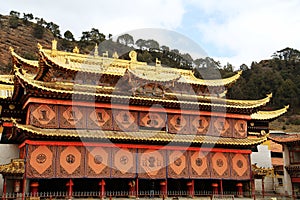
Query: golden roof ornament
point(76, 49)
point(40, 47)
point(157, 62)
point(54, 44)
point(105, 54)
point(133, 56)
point(11, 49)
point(115, 55)
point(54, 48)
point(96, 50)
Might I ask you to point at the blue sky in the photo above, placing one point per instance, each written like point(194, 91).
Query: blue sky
point(234, 31)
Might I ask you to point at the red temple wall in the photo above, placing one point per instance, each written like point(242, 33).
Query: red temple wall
point(78, 161)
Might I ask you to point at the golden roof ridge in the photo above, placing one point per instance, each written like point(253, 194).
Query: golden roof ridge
point(33, 63)
point(16, 166)
point(76, 62)
point(144, 135)
point(220, 102)
point(267, 115)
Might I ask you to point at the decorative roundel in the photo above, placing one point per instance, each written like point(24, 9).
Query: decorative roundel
point(70, 158)
point(123, 160)
point(98, 159)
point(219, 162)
point(41, 158)
point(239, 164)
point(198, 162)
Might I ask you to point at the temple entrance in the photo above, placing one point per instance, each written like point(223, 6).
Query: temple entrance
point(203, 186)
point(149, 188)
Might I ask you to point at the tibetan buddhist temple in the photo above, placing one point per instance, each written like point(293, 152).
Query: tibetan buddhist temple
point(105, 124)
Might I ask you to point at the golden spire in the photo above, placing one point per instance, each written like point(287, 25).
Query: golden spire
point(54, 44)
point(115, 55)
point(76, 49)
point(96, 50)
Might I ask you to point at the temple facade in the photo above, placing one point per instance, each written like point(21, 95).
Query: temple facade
point(104, 124)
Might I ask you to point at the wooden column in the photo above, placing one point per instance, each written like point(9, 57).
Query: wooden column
point(253, 188)
point(102, 188)
point(263, 186)
point(4, 188)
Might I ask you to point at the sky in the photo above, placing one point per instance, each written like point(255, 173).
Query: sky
point(230, 31)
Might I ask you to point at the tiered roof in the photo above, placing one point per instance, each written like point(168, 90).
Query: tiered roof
point(46, 78)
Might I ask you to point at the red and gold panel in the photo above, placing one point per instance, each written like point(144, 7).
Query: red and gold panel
point(70, 161)
point(124, 120)
point(199, 164)
point(220, 164)
point(240, 166)
point(72, 117)
point(152, 120)
point(152, 163)
point(199, 124)
point(177, 164)
point(43, 115)
point(240, 128)
point(98, 162)
point(178, 124)
point(123, 163)
point(99, 119)
point(40, 162)
point(221, 127)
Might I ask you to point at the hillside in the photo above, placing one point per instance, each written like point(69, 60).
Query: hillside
point(279, 75)
point(21, 39)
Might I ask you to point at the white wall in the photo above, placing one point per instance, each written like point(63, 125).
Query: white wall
point(287, 179)
point(262, 158)
point(8, 151)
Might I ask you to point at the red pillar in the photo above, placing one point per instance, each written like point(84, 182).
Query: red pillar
point(70, 188)
point(190, 186)
point(137, 188)
point(221, 187)
point(239, 189)
point(34, 188)
point(215, 188)
point(253, 188)
point(132, 187)
point(102, 188)
point(4, 188)
point(163, 188)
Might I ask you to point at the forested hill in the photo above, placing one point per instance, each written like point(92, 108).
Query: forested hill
point(278, 75)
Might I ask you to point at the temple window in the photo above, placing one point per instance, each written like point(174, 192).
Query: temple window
point(295, 155)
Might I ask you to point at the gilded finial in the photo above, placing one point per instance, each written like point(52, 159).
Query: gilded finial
point(157, 62)
point(96, 50)
point(54, 44)
point(115, 55)
point(40, 47)
point(133, 56)
point(76, 49)
point(11, 49)
point(105, 54)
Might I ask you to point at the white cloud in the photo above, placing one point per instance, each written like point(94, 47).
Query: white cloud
point(114, 16)
point(250, 30)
